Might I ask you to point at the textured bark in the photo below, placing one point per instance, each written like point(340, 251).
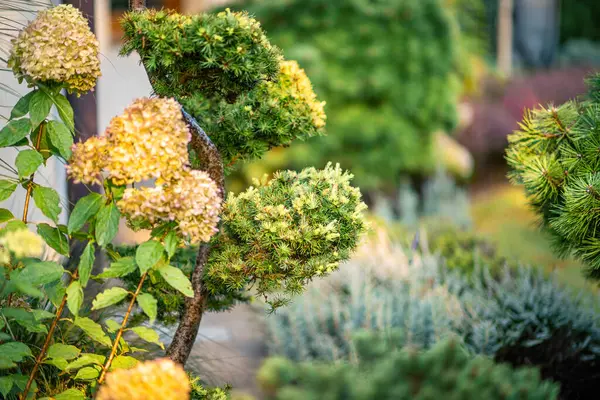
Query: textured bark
point(137, 4)
point(185, 336)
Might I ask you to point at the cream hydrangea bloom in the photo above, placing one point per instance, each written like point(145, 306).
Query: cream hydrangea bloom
point(148, 141)
point(57, 46)
point(151, 380)
point(193, 202)
point(22, 243)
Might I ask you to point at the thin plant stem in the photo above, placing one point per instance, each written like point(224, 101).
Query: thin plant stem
point(113, 351)
point(30, 184)
point(42, 354)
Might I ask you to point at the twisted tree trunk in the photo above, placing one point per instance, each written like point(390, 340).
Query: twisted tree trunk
point(185, 336)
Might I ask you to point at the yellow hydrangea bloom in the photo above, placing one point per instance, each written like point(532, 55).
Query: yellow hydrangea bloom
point(151, 380)
point(22, 243)
point(148, 141)
point(57, 46)
point(193, 202)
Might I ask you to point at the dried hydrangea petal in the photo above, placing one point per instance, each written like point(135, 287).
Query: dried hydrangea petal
point(193, 202)
point(57, 47)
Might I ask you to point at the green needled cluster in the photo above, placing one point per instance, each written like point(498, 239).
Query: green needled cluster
point(388, 71)
point(227, 75)
point(287, 231)
point(444, 371)
point(555, 155)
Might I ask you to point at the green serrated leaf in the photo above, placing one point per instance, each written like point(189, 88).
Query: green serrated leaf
point(59, 363)
point(93, 330)
point(148, 334)
point(87, 373)
point(24, 319)
point(149, 305)
point(107, 224)
point(48, 201)
point(27, 162)
point(41, 315)
point(109, 297)
point(59, 350)
point(22, 107)
point(14, 131)
point(6, 384)
point(54, 238)
point(15, 351)
point(171, 243)
point(112, 326)
point(70, 394)
point(148, 254)
point(74, 297)
point(13, 225)
point(5, 215)
point(176, 279)
point(6, 189)
point(86, 359)
point(61, 138)
point(123, 362)
point(40, 273)
point(21, 381)
point(55, 292)
point(65, 111)
point(120, 268)
point(86, 263)
point(85, 208)
point(39, 107)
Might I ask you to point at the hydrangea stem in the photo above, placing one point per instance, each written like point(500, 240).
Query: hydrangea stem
point(42, 354)
point(38, 142)
point(41, 132)
point(113, 351)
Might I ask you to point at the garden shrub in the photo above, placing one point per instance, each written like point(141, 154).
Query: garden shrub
point(554, 156)
point(517, 316)
point(530, 319)
point(56, 343)
point(388, 71)
point(444, 371)
point(412, 296)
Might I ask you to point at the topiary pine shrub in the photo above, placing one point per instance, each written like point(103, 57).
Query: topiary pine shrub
point(276, 236)
point(388, 71)
point(444, 371)
point(554, 156)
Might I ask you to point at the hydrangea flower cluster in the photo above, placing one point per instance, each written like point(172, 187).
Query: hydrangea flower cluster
point(21, 243)
point(189, 201)
point(57, 47)
point(149, 141)
point(160, 379)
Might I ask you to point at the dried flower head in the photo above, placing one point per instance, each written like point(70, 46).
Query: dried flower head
point(22, 243)
point(57, 47)
point(193, 202)
point(148, 141)
point(151, 380)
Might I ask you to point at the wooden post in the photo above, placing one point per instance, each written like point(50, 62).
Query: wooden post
point(84, 108)
point(505, 36)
